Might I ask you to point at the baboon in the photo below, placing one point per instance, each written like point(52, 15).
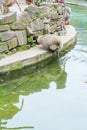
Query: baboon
point(5, 4)
point(28, 2)
point(49, 42)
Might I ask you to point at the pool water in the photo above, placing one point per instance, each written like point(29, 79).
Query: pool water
point(52, 98)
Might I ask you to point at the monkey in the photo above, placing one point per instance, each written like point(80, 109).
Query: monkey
point(28, 2)
point(49, 42)
point(5, 4)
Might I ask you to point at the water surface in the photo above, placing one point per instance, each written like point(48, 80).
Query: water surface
point(53, 98)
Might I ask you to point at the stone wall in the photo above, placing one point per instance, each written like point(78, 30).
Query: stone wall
point(21, 32)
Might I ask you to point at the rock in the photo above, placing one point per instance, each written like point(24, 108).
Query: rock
point(33, 11)
point(60, 9)
point(54, 16)
point(3, 47)
point(46, 28)
point(46, 20)
point(4, 28)
point(37, 25)
point(29, 31)
point(18, 26)
point(53, 22)
point(67, 13)
point(43, 10)
point(13, 51)
point(8, 35)
point(48, 15)
point(24, 18)
point(22, 37)
point(59, 23)
point(8, 18)
point(53, 28)
point(48, 41)
point(12, 43)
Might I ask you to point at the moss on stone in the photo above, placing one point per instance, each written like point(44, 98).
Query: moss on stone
point(24, 22)
point(30, 39)
point(67, 47)
point(42, 15)
point(3, 55)
point(41, 33)
point(23, 47)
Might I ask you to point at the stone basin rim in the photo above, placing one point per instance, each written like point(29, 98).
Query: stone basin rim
point(36, 54)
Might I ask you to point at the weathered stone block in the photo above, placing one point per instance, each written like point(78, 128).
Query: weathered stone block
point(32, 9)
point(52, 9)
point(46, 28)
point(54, 16)
point(48, 15)
point(8, 18)
point(37, 25)
point(3, 47)
point(29, 31)
point(38, 33)
point(18, 26)
point(58, 23)
point(53, 22)
point(12, 43)
point(43, 10)
point(53, 28)
point(5, 36)
point(24, 18)
point(4, 28)
point(21, 37)
point(60, 9)
point(59, 28)
point(46, 20)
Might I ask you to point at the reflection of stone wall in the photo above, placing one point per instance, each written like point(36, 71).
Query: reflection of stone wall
point(24, 29)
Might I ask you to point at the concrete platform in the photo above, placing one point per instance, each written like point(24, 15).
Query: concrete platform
point(37, 53)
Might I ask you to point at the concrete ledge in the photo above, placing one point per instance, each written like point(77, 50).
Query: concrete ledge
point(37, 54)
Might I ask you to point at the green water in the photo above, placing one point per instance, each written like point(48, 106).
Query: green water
point(53, 98)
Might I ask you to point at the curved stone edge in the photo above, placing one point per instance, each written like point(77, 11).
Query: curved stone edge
point(25, 62)
point(37, 54)
point(80, 3)
point(68, 41)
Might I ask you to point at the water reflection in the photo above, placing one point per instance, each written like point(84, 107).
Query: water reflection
point(15, 96)
point(54, 98)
